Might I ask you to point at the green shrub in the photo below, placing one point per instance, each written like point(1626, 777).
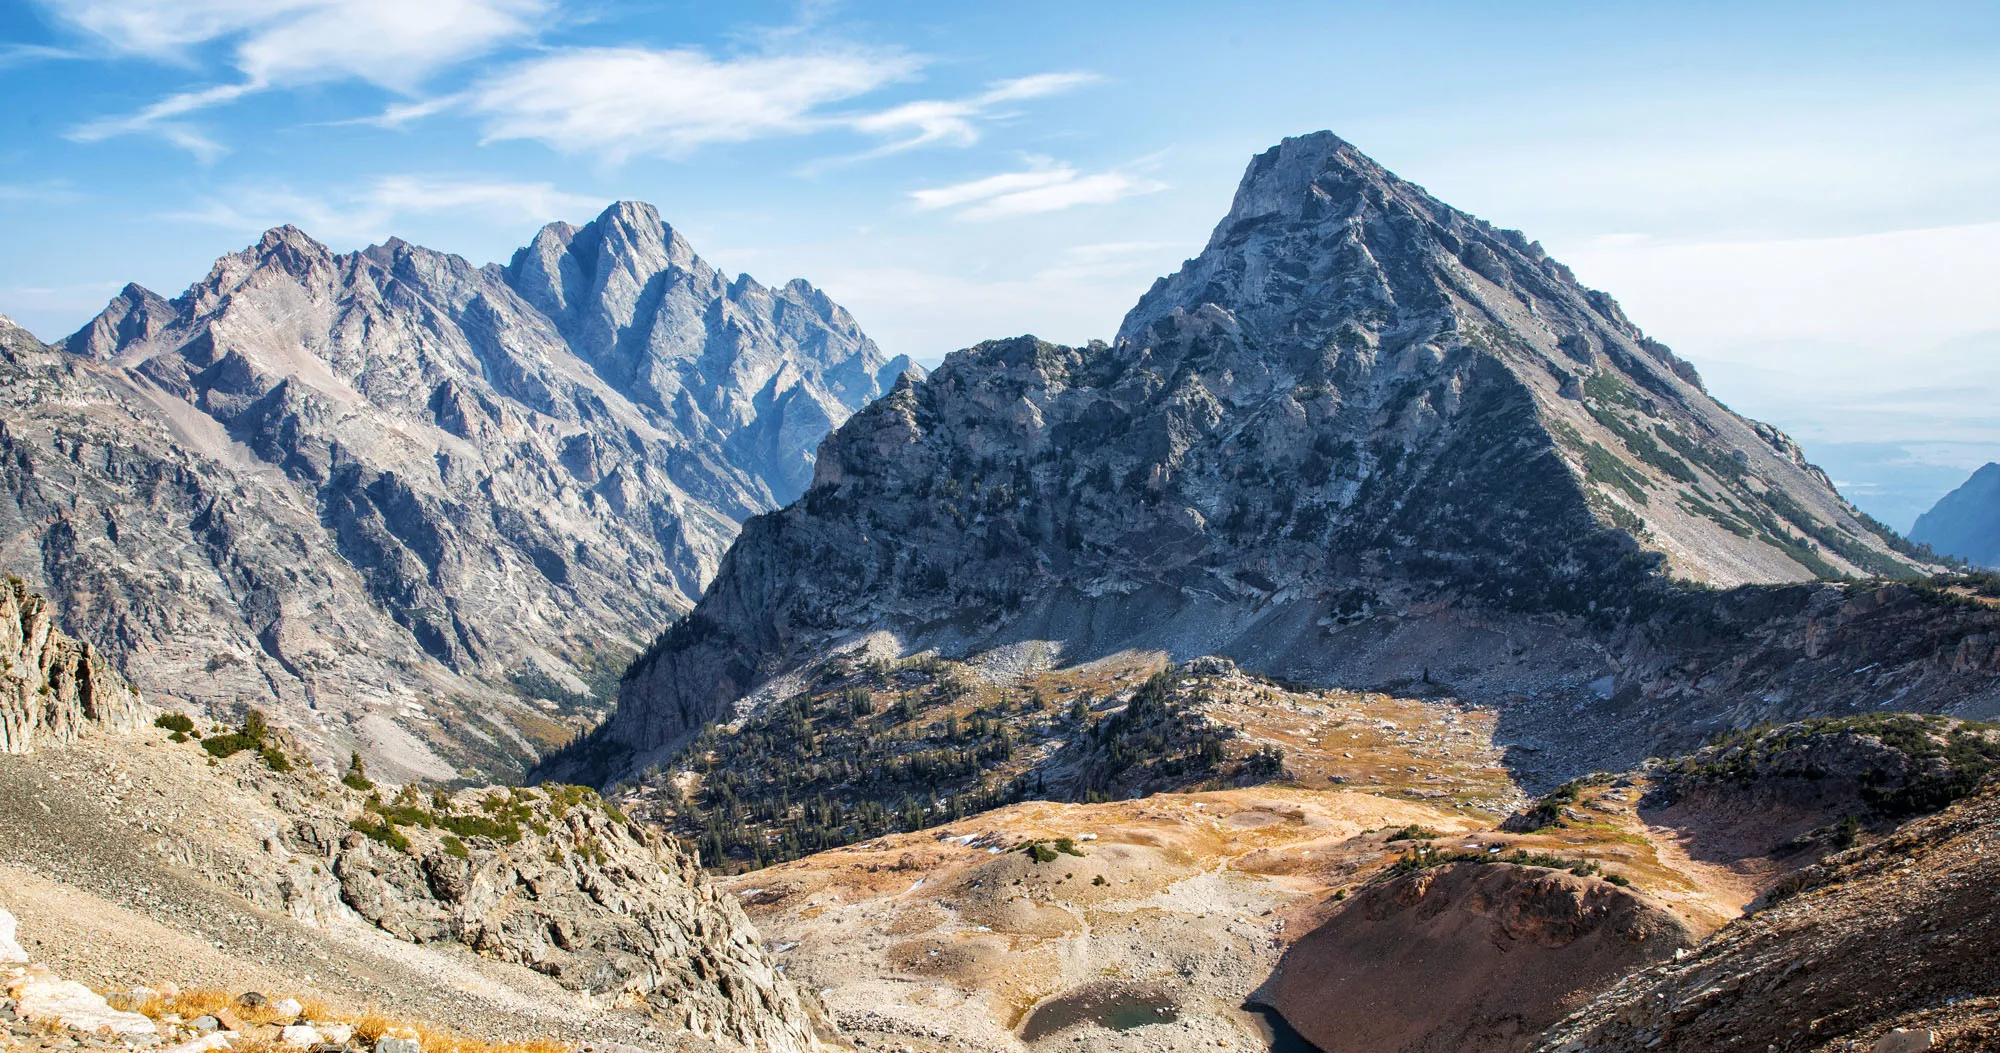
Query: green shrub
point(454, 847)
point(1046, 851)
point(383, 831)
point(357, 774)
point(178, 723)
point(1413, 832)
point(251, 736)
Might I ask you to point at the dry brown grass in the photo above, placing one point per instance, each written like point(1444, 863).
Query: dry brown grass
point(369, 1025)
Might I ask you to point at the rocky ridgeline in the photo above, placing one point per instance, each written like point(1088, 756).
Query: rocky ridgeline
point(384, 491)
point(557, 881)
point(1362, 438)
point(53, 689)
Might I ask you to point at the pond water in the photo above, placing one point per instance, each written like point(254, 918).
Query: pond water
point(1116, 1007)
point(1278, 1035)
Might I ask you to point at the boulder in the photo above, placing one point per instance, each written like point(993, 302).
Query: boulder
point(11, 952)
point(1903, 1040)
point(42, 997)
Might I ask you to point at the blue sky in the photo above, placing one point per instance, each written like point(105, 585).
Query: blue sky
point(1802, 198)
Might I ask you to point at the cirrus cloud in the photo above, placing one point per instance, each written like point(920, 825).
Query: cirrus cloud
point(1044, 187)
point(395, 44)
point(621, 101)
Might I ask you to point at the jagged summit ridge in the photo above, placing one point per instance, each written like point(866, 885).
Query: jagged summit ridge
point(1356, 413)
point(387, 488)
point(731, 360)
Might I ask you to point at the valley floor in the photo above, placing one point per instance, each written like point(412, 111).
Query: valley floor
point(1152, 923)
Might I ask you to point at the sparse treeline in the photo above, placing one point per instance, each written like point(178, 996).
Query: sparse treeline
point(879, 747)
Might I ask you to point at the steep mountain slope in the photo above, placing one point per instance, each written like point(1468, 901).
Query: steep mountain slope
point(1966, 522)
point(1897, 936)
point(383, 486)
point(1361, 433)
point(1467, 958)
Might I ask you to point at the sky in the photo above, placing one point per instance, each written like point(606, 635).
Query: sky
point(1801, 198)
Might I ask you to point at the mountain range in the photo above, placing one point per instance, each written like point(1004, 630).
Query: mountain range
point(412, 506)
point(1381, 644)
point(1362, 438)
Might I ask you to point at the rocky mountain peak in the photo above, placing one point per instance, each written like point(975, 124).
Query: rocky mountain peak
point(1323, 245)
point(134, 316)
point(1356, 402)
point(413, 477)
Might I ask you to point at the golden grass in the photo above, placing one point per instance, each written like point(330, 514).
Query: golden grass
point(369, 1025)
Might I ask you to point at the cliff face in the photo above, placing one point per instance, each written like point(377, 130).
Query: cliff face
point(53, 689)
point(1358, 416)
point(384, 491)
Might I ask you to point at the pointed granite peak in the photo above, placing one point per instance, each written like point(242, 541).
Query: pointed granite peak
point(133, 316)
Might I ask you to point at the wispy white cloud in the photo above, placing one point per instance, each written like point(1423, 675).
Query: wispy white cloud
point(991, 186)
point(1044, 187)
point(622, 101)
point(396, 44)
point(22, 54)
point(957, 121)
point(372, 212)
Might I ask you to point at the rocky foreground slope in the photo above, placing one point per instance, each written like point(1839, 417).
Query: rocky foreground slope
point(1362, 438)
point(1889, 947)
point(217, 857)
point(406, 504)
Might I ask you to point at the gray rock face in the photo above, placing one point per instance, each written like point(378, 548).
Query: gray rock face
point(53, 689)
point(372, 491)
point(1966, 522)
point(1358, 409)
point(550, 879)
point(599, 904)
point(762, 373)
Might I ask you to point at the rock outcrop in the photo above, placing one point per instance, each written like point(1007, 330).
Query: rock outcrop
point(550, 879)
point(1897, 936)
point(1466, 958)
point(378, 493)
point(573, 890)
point(1362, 435)
point(53, 689)
point(1966, 522)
